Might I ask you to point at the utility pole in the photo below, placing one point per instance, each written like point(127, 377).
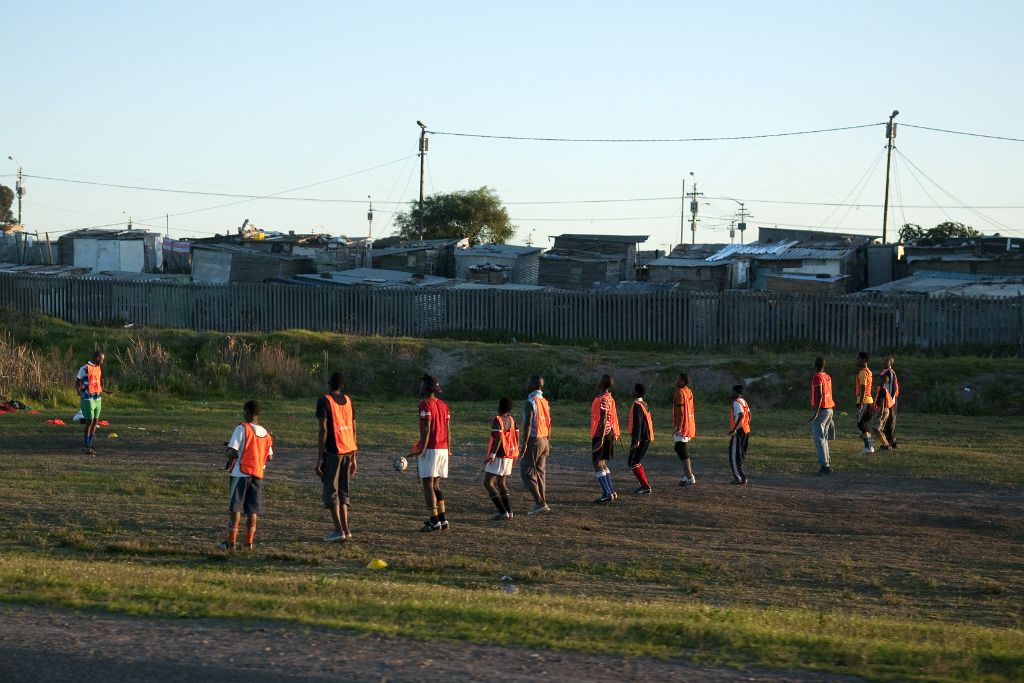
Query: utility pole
point(167, 225)
point(693, 210)
point(682, 216)
point(423, 159)
point(19, 186)
point(890, 135)
point(742, 225)
point(369, 236)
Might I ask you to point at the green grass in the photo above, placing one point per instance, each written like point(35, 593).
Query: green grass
point(819, 640)
point(905, 566)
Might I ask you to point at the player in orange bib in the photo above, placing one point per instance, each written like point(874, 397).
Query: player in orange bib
point(684, 426)
point(822, 427)
point(502, 451)
point(641, 434)
point(604, 431)
point(249, 450)
point(739, 434)
point(336, 446)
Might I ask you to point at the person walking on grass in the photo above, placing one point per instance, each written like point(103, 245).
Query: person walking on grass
point(431, 451)
point(604, 431)
point(684, 427)
point(248, 451)
point(641, 434)
point(89, 385)
point(885, 405)
point(865, 402)
point(336, 449)
point(822, 427)
point(535, 445)
point(501, 456)
point(739, 434)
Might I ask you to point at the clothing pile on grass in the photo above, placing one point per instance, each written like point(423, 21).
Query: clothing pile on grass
point(15, 406)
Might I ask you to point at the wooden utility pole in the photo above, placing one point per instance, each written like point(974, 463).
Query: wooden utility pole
point(423, 160)
point(890, 135)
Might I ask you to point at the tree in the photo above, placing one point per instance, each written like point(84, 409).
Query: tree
point(942, 231)
point(950, 229)
point(476, 214)
point(911, 231)
point(6, 199)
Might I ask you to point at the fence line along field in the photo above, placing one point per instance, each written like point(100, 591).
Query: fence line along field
point(901, 566)
point(689, 319)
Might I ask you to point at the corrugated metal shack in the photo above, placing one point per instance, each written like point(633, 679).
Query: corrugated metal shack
point(134, 251)
point(498, 264)
point(223, 263)
point(425, 257)
point(980, 256)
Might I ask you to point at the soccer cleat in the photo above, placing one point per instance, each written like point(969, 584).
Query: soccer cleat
point(430, 526)
point(539, 509)
point(605, 499)
point(825, 470)
point(227, 546)
point(334, 536)
point(499, 517)
point(867, 451)
point(644, 491)
point(687, 481)
point(444, 524)
point(739, 482)
point(511, 515)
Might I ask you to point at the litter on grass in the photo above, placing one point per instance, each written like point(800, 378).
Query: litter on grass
point(377, 564)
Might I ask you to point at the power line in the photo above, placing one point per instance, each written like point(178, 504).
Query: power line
point(961, 132)
point(704, 139)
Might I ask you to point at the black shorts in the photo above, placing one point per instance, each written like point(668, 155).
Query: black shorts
point(335, 480)
point(246, 495)
point(636, 455)
point(602, 449)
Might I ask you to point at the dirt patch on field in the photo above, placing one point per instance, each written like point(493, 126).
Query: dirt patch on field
point(47, 645)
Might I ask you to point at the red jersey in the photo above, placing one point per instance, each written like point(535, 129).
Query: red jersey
point(821, 391)
point(436, 411)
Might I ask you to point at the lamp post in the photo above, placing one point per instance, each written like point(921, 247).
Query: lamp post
point(741, 222)
point(19, 186)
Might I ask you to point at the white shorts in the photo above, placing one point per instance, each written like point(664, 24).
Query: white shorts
point(677, 437)
point(433, 462)
point(500, 466)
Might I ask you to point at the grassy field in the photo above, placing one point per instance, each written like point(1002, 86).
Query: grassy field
point(902, 566)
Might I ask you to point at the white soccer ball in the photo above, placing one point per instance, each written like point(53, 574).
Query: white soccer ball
point(400, 463)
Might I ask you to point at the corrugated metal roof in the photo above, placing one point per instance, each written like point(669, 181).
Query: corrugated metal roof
point(373, 277)
point(782, 251)
point(624, 239)
point(754, 248)
point(505, 250)
point(669, 262)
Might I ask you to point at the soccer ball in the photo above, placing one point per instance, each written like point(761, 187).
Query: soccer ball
point(400, 463)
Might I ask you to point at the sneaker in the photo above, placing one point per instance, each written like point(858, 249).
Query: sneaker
point(249, 546)
point(335, 536)
point(444, 524)
point(227, 546)
point(538, 510)
point(739, 482)
point(511, 515)
point(644, 491)
point(500, 517)
point(91, 451)
point(868, 451)
point(605, 499)
point(825, 470)
point(687, 481)
point(615, 496)
point(430, 526)
point(348, 536)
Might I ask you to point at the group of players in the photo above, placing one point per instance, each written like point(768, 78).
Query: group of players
point(250, 446)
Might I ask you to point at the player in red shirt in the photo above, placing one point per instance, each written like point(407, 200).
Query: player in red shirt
point(431, 451)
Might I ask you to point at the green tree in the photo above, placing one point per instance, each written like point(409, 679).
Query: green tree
point(6, 199)
point(911, 231)
point(476, 214)
point(952, 229)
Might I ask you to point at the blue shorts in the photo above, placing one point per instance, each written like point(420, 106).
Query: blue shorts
point(246, 495)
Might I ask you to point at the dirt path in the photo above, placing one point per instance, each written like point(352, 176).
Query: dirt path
point(44, 645)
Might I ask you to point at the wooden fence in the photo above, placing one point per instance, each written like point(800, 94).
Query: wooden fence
point(684, 319)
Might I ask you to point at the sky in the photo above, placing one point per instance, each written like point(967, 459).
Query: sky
point(264, 98)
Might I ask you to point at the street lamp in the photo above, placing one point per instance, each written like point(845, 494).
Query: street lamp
point(742, 222)
point(19, 186)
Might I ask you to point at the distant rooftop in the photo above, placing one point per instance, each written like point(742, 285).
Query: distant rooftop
point(506, 250)
point(624, 239)
point(372, 277)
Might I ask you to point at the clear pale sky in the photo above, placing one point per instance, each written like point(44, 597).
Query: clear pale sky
point(260, 97)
